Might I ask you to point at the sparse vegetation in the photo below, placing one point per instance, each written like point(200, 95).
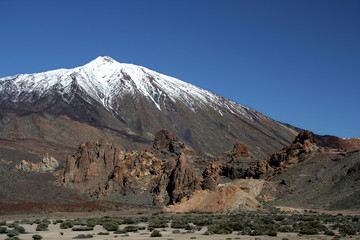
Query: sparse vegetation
point(83, 228)
point(37, 237)
point(66, 225)
point(42, 226)
point(155, 233)
point(3, 230)
point(84, 236)
point(244, 223)
point(111, 226)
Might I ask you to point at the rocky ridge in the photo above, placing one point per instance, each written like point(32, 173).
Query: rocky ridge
point(171, 174)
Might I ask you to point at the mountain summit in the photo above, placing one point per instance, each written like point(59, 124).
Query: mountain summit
point(131, 103)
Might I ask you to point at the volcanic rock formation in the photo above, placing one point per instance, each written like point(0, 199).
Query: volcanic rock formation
point(48, 164)
point(301, 148)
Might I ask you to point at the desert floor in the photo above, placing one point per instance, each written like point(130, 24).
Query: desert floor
point(54, 231)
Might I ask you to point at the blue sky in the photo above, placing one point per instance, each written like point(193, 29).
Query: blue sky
point(295, 61)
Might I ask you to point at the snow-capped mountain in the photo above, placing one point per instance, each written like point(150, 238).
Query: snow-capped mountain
point(103, 79)
point(134, 101)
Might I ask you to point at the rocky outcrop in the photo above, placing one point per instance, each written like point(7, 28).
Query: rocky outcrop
point(48, 164)
point(136, 168)
point(259, 169)
point(91, 163)
point(211, 175)
point(165, 140)
point(103, 170)
point(235, 163)
point(183, 180)
point(240, 150)
point(302, 147)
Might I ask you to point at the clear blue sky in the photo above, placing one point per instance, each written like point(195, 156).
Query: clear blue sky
point(295, 61)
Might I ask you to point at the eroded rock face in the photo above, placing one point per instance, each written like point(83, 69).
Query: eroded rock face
point(104, 170)
point(183, 180)
point(211, 175)
point(134, 169)
point(235, 163)
point(302, 147)
point(165, 140)
point(92, 162)
point(240, 194)
point(240, 150)
point(260, 168)
point(48, 164)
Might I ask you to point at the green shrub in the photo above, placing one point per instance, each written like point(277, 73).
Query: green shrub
point(329, 233)
point(3, 230)
point(347, 229)
point(220, 229)
point(178, 224)
point(58, 221)
point(25, 221)
point(177, 231)
point(271, 233)
point(111, 226)
point(12, 238)
point(91, 224)
point(12, 225)
point(84, 236)
point(120, 231)
point(11, 234)
point(285, 229)
point(309, 231)
point(66, 225)
point(37, 221)
point(103, 233)
point(36, 236)
point(42, 227)
point(19, 229)
point(131, 228)
point(83, 228)
point(3, 223)
point(47, 221)
point(155, 233)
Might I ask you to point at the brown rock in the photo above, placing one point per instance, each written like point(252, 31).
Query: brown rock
point(93, 160)
point(163, 140)
point(211, 175)
point(48, 164)
point(302, 147)
point(305, 137)
point(183, 180)
point(259, 169)
point(240, 150)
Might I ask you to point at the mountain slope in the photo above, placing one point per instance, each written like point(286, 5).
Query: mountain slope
point(132, 103)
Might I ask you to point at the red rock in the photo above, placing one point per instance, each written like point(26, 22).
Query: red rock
point(240, 150)
point(211, 175)
point(183, 180)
